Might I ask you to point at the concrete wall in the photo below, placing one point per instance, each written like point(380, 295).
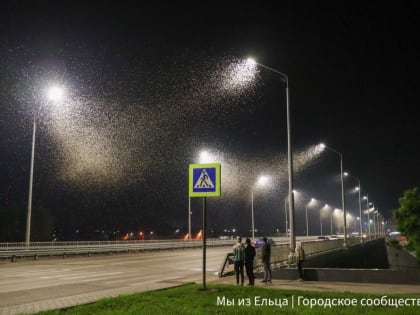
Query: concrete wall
point(391, 276)
point(364, 263)
point(399, 258)
point(368, 255)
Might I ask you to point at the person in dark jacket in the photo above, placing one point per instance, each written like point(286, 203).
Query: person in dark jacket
point(249, 261)
point(265, 256)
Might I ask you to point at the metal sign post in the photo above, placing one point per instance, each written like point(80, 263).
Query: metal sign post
point(204, 181)
point(204, 241)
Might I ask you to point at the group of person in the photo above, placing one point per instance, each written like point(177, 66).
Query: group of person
point(245, 255)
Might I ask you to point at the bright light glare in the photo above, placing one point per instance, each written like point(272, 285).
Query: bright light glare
point(251, 61)
point(208, 157)
point(205, 157)
point(239, 76)
point(326, 207)
point(320, 147)
point(263, 180)
point(55, 93)
point(311, 202)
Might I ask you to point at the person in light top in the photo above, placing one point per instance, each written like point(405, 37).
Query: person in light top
point(238, 259)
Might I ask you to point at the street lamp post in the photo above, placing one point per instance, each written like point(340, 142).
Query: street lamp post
point(359, 188)
point(374, 223)
point(285, 78)
point(320, 220)
point(331, 221)
point(55, 94)
point(262, 180)
point(306, 213)
point(378, 226)
point(368, 216)
point(31, 179)
point(285, 218)
point(252, 215)
point(345, 245)
point(383, 228)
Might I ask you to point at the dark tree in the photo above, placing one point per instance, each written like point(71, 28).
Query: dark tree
point(408, 218)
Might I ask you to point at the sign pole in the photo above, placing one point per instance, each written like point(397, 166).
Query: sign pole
point(204, 181)
point(204, 241)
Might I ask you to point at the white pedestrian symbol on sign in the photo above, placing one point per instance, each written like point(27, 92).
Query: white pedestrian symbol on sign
point(204, 181)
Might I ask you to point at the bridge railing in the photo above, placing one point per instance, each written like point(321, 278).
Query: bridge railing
point(38, 249)
point(280, 252)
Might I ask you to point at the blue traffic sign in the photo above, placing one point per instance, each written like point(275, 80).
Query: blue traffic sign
point(204, 180)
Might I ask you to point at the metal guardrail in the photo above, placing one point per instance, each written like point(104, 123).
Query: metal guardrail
point(14, 251)
point(279, 253)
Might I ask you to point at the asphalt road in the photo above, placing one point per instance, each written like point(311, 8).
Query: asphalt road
point(32, 286)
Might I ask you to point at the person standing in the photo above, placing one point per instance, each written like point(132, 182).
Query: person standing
point(249, 261)
point(238, 258)
point(300, 258)
point(265, 256)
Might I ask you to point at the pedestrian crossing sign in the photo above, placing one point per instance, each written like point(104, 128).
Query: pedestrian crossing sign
point(204, 180)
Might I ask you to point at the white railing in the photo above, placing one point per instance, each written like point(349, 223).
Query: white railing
point(37, 249)
point(280, 252)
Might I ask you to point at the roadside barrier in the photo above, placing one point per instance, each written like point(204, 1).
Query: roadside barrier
point(14, 251)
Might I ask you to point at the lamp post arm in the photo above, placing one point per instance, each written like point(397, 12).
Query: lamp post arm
point(284, 75)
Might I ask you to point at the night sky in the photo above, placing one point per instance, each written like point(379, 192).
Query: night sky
point(148, 87)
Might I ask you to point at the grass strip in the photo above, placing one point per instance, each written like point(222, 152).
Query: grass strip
point(229, 299)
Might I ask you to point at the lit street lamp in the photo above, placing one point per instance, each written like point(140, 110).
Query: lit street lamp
point(326, 207)
point(285, 79)
point(342, 191)
point(367, 210)
point(310, 203)
point(262, 180)
point(336, 212)
point(54, 94)
point(375, 222)
point(358, 188)
point(331, 221)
